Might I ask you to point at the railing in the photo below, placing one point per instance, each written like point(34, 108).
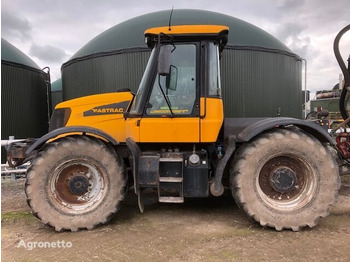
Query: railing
point(14, 173)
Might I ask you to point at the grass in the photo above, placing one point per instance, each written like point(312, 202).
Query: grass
point(12, 216)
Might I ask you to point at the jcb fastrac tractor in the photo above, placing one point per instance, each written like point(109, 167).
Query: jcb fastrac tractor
point(172, 136)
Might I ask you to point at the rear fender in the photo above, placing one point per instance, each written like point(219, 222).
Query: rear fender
point(252, 129)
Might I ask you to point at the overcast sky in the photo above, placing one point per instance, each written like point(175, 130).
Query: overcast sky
point(51, 31)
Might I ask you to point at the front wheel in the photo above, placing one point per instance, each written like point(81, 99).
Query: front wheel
point(285, 179)
point(75, 183)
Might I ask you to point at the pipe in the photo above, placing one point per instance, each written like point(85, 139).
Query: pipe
point(345, 71)
point(48, 92)
point(338, 56)
point(5, 143)
point(6, 169)
point(305, 89)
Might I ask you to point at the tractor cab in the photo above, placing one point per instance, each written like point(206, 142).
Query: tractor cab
point(180, 83)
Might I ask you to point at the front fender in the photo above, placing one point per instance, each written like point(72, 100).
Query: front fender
point(71, 129)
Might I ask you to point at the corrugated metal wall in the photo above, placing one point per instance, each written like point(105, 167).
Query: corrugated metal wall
point(255, 83)
point(56, 97)
point(102, 74)
point(260, 83)
point(23, 102)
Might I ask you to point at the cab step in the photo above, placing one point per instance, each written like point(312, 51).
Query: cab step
point(169, 199)
point(171, 179)
point(171, 159)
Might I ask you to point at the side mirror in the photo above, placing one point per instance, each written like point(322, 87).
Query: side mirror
point(164, 60)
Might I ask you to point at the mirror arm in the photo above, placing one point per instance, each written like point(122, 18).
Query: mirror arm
point(166, 99)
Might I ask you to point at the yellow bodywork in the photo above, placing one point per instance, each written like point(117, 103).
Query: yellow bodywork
point(187, 29)
point(103, 111)
point(213, 117)
point(179, 129)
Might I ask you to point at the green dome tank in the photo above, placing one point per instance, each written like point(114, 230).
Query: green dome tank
point(56, 93)
point(24, 110)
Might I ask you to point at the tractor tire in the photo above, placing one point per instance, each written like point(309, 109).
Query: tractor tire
point(285, 179)
point(76, 183)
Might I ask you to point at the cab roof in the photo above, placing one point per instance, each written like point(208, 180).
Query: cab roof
point(188, 30)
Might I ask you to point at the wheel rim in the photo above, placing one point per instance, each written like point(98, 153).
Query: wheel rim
point(77, 186)
point(286, 182)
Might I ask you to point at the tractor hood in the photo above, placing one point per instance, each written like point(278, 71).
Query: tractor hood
point(103, 112)
point(109, 103)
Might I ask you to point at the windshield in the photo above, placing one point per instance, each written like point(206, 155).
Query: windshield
point(136, 107)
point(177, 89)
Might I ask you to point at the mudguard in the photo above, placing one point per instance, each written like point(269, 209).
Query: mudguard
point(244, 129)
point(71, 129)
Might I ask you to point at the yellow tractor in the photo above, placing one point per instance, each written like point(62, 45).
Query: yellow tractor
point(172, 136)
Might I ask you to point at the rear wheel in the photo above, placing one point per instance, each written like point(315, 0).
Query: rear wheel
point(76, 183)
point(285, 179)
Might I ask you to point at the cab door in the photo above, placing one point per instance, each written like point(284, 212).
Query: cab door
point(172, 108)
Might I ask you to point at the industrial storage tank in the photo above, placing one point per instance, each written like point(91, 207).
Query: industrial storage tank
point(24, 108)
point(260, 75)
point(56, 93)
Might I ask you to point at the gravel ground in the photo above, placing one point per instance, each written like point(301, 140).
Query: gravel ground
point(212, 229)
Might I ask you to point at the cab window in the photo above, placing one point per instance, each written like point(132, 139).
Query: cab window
point(214, 71)
point(137, 106)
point(178, 88)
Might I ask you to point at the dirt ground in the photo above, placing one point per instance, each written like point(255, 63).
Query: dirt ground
point(211, 229)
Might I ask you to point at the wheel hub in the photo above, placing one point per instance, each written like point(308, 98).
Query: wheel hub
point(283, 179)
point(78, 185)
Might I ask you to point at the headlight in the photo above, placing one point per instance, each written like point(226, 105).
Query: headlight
point(59, 118)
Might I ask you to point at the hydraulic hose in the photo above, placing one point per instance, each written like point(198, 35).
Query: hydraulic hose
point(344, 97)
